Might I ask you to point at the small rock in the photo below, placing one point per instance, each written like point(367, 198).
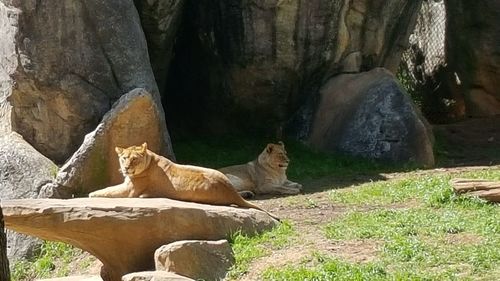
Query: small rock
point(207, 260)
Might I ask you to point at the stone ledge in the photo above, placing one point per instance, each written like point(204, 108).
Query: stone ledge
point(123, 233)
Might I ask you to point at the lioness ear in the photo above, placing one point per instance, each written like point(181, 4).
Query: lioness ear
point(118, 150)
point(269, 148)
point(281, 143)
point(144, 147)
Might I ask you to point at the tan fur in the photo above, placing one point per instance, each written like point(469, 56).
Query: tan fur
point(150, 175)
point(264, 175)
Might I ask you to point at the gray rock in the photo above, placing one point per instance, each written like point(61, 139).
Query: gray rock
point(63, 64)
point(370, 115)
point(133, 120)
point(197, 259)
point(23, 170)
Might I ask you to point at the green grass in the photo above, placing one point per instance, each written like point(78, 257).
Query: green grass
point(248, 248)
point(418, 239)
point(327, 269)
point(431, 234)
point(53, 260)
point(428, 189)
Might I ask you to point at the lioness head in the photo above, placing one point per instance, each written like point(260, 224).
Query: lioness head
point(275, 156)
point(133, 160)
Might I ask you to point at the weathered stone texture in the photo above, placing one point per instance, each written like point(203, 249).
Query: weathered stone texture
point(370, 115)
point(160, 21)
point(23, 171)
point(133, 120)
point(124, 233)
point(63, 64)
point(263, 58)
point(197, 259)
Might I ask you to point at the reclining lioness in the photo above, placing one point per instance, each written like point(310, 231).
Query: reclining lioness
point(264, 175)
point(150, 175)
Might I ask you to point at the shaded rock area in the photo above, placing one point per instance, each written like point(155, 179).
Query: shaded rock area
point(160, 21)
point(154, 276)
point(4, 262)
point(473, 54)
point(205, 260)
point(102, 226)
point(133, 120)
point(23, 171)
point(370, 115)
point(263, 59)
point(63, 64)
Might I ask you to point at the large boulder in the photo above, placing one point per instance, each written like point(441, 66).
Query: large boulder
point(370, 115)
point(264, 58)
point(23, 171)
point(124, 233)
point(473, 54)
point(133, 120)
point(205, 260)
point(63, 64)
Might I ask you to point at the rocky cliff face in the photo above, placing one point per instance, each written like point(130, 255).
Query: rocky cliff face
point(258, 61)
point(473, 54)
point(63, 64)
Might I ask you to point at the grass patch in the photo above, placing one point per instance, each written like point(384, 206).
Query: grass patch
point(247, 248)
point(441, 237)
point(326, 269)
point(432, 190)
point(54, 260)
point(432, 234)
point(426, 242)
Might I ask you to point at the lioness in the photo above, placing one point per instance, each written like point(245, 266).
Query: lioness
point(150, 175)
point(264, 175)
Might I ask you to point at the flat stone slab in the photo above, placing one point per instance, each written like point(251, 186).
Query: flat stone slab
point(123, 233)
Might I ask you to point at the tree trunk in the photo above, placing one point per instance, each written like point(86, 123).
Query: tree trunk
point(488, 190)
point(4, 262)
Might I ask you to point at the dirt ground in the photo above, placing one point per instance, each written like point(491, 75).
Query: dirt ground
point(472, 144)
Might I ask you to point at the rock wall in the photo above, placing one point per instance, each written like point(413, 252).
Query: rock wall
point(63, 64)
point(473, 54)
point(160, 20)
point(249, 65)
